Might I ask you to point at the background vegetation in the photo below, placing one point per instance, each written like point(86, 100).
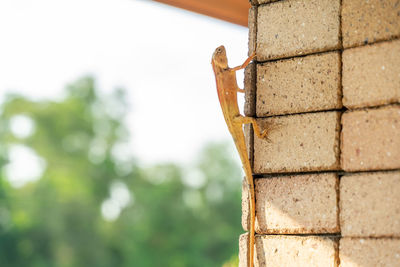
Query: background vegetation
point(94, 205)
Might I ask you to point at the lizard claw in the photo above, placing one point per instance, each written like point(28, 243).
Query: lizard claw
point(264, 134)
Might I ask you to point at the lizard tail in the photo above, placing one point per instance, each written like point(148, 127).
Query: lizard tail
point(252, 206)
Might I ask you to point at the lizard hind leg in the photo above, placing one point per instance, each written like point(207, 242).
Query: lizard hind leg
point(257, 130)
point(268, 128)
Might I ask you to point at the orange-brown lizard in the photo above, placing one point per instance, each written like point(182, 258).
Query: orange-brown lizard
point(227, 93)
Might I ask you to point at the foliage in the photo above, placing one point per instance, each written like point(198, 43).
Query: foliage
point(233, 262)
point(175, 215)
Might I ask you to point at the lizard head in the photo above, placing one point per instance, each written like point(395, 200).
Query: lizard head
point(219, 57)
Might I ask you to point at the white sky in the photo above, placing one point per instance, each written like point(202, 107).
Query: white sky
point(160, 54)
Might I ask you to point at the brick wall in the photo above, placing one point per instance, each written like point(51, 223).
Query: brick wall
point(327, 85)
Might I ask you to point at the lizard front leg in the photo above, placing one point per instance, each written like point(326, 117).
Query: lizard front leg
point(244, 65)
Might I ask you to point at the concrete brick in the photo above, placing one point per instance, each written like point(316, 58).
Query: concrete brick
point(371, 139)
point(245, 206)
point(369, 21)
point(248, 136)
point(250, 90)
point(293, 251)
point(252, 24)
point(298, 204)
point(302, 142)
point(371, 75)
point(301, 84)
point(370, 204)
point(243, 241)
point(368, 252)
point(297, 27)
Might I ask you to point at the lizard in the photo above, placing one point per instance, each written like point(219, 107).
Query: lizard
point(227, 89)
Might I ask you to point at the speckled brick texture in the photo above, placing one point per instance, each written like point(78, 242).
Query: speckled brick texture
point(243, 248)
point(371, 75)
point(250, 90)
point(245, 206)
point(368, 21)
point(297, 27)
point(370, 204)
point(371, 139)
point(302, 142)
point(248, 136)
point(297, 204)
point(369, 252)
point(325, 175)
point(301, 84)
point(252, 29)
point(293, 251)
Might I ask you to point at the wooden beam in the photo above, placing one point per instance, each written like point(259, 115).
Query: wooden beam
point(234, 11)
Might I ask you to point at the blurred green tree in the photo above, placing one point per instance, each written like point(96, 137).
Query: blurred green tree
point(93, 205)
